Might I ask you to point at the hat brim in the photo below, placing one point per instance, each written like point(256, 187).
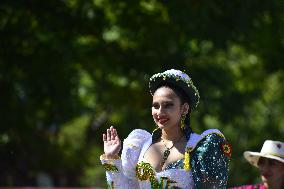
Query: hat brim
point(253, 157)
point(188, 89)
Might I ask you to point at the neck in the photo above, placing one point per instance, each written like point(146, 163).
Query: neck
point(172, 134)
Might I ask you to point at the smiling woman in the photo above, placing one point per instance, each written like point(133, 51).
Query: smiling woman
point(173, 156)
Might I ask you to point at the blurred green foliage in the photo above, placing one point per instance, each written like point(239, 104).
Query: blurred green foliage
point(69, 69)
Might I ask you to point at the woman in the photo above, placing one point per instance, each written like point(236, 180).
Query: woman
point(270, 162)
point(172, 156)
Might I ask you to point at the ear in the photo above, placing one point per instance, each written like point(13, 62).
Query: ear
point(185, 108)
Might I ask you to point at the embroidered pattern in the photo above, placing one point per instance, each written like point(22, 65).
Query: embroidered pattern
point(144, 171)
point(227, 149)
point(179, 77)
point(186, 163)
point(110, 167)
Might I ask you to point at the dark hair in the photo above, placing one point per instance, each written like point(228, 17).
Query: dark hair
point(179, 92)
point(184, 99)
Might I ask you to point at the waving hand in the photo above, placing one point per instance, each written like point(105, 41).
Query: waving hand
point(112, 143)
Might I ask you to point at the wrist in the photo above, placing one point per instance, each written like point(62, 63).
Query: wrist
point(110, 156)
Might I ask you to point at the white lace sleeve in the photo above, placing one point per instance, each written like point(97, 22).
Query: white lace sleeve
point(121, 172)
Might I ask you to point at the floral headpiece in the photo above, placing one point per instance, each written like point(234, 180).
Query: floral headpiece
point(179, 79)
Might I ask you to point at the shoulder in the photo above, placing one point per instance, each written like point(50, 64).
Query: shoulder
point(209, 158)
point(137, 138)
point(135, 142)
point(140, 133)
point(210, 135)
point(132, 147)
point(209, 146)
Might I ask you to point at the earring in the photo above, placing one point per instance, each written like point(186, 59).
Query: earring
point(182, 121)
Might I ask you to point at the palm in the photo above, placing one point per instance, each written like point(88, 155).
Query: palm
point(112, 147)
point(112, 142)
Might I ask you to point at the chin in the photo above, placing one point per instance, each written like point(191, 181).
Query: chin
point(162, 126)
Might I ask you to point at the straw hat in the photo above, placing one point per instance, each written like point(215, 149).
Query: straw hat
point(270, 149)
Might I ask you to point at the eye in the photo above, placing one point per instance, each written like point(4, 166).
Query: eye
point(155, 105)
point(168, 105)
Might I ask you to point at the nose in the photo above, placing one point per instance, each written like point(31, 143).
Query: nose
point(160, 111)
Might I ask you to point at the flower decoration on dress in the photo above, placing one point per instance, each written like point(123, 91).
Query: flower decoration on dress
point(110, 167)
point(144, 171)
point(177, 78)
point(227, 149)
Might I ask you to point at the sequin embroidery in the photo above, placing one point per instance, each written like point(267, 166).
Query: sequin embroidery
point(144, 171)
point(110, 167)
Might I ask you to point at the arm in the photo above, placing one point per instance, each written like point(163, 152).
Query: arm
point(113, 164)
point(210, 162)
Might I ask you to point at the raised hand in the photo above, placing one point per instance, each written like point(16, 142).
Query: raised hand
point(112, 144)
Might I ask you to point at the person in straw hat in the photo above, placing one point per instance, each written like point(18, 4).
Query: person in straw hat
point(172, 156)
point(270, 162)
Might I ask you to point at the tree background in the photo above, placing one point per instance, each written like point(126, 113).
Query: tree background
point(69, 69)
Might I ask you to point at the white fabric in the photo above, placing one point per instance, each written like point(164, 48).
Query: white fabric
point(134, 148)
point(178, 73)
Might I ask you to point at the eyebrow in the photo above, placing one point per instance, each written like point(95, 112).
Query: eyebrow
point(163, 102)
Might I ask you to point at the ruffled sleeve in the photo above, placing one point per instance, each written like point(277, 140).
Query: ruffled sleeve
point(132, 147)
point(210, 160)
point(121, 173)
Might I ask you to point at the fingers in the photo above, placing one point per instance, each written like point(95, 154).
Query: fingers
point(110, 135)
point(104, 137)
point(113, 133)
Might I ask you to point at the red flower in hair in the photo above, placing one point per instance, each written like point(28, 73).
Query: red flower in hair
point(227, 149)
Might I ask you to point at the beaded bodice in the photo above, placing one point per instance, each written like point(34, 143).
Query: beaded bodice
point(175, 165)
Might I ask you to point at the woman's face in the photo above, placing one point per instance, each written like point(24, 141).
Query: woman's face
point(271, 171)
point(167, 108)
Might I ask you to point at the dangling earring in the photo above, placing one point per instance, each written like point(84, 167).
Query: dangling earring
point(182, 121)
